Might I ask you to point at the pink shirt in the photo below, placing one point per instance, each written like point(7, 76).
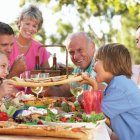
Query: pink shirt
point(30, 55)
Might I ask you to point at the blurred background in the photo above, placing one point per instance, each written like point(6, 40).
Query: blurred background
point(104, 20)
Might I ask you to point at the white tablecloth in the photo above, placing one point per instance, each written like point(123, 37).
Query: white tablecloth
point(101, 132)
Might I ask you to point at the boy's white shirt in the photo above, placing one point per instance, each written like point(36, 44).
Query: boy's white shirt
point(136, 74)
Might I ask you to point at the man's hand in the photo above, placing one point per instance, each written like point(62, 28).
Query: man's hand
point(18, 67)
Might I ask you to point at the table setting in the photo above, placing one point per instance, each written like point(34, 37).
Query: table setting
point(52, 117)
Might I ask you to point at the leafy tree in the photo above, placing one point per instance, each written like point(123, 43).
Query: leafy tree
point(105, 11)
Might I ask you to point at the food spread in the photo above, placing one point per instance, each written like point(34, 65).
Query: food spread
point(26, 114)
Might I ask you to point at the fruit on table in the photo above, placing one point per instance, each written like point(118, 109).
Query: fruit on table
point(4, 116)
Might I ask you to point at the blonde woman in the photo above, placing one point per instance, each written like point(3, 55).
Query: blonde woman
point(29, 22)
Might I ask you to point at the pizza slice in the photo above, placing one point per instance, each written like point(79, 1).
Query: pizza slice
point(50, 81)
point(51, 130)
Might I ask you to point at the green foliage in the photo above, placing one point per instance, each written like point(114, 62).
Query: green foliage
point(104, 10)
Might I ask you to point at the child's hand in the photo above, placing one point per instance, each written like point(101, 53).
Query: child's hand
point(88, 80)
point(6, 88)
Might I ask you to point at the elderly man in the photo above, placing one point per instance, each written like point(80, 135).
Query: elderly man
point(81, 50)
point(6, 44)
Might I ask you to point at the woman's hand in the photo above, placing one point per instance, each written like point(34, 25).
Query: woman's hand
point(17, 69)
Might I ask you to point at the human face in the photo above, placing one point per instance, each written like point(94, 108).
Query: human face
point(6, 44)
point(138, 38)
point(80, 52)
point(101, 74)
point(28, 27)
point(3, 66)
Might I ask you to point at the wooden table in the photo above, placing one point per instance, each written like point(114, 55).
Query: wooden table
point(13, 137)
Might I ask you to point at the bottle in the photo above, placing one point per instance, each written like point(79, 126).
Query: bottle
point(54, 66)
point(37, 65)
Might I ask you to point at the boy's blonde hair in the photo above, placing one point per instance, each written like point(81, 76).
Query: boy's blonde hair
point(116, 59)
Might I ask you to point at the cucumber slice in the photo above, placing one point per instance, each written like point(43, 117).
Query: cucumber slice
point(11, 110)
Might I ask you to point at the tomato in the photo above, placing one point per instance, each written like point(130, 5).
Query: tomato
point(40, 122)
point(3, 116)
point(76, 129)
point(64, 119)
point(78, 119)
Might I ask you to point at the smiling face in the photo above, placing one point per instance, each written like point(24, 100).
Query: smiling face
point(138, 38)
point(6, 44)
point(81, 51)
point(28, 27)
point(3, 66)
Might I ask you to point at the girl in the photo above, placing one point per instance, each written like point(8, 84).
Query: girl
point(121, 101)
point(5, 87)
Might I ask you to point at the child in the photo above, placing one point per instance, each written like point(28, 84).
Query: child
point(121, 101)
point(5, 86)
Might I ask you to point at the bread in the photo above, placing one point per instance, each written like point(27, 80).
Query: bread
point(54, 131)
point(43, 83)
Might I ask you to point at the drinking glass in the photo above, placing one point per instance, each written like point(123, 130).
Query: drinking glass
point(36, 90)
point(76, 89)
point(92, 101)
point(43, 75)
point(35, 76)
point(25, 75)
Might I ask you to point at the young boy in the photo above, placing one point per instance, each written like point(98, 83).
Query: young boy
point(121, 101)
point(5, 86)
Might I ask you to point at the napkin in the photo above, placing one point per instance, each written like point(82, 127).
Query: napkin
point(101, 132)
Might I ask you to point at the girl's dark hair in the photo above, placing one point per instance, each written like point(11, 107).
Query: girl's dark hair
point(116, 59)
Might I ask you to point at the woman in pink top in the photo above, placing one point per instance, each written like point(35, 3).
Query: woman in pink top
point(29, 22)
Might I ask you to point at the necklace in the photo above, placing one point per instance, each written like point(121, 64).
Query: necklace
point(23, 49)
point(23, 46)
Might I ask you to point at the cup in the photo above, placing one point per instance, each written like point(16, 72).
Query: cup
point(92, 101)
point(34, 76)
point(40, 75)
point(25, 75)
point(43, 75)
